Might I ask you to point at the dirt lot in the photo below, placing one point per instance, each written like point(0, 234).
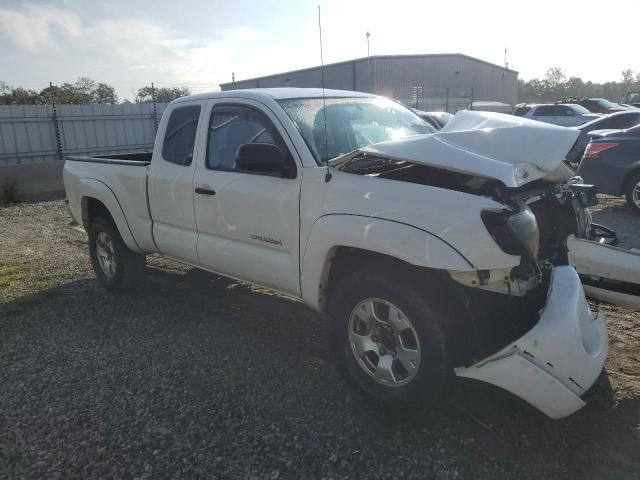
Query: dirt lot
point(195, 376)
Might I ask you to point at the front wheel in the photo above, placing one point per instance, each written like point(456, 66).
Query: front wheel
point(632, 192)
point(388, 339)
point(117, 268)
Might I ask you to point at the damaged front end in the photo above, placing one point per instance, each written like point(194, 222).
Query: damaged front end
point(527, 328)
point(558, 359)
point(536, 335)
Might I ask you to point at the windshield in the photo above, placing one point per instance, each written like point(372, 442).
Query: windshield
point(578, 109)
point(352, 123)
point(604, 103)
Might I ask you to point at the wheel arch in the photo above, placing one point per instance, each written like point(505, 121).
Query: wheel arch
point(96, 200)
point(337, 243)
point(633, 169)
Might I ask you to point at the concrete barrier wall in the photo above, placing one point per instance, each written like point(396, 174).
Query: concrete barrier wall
point(34, 139)
point(36, 181)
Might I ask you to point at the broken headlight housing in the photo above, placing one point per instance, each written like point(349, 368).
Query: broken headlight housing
point(515, 232)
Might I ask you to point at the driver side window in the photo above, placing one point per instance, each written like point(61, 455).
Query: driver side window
point(232, 126)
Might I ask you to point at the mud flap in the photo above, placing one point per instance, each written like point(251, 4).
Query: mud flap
point(608, 273)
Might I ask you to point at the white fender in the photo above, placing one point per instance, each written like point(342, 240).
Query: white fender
point(90, 187)
point(398, 240)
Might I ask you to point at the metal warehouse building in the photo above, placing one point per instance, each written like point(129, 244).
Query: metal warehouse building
point(429, 82)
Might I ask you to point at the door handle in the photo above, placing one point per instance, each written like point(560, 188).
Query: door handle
point(205, 191)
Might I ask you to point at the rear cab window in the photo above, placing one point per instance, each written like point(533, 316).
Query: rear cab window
point(180, 135)
point(521, 111)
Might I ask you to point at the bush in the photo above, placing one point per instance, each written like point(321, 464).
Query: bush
point(10, 192)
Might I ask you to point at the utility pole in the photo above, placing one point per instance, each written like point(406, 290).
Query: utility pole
point(233, 77)
point(369, 63)
point(155, 107)
point(368, 35)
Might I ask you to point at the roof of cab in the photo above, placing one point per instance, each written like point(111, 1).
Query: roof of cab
point(284, 93)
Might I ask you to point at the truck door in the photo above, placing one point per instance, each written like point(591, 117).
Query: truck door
point(248, 223)
point(171, 183)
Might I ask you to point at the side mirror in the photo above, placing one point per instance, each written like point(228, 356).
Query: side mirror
point(260, 158)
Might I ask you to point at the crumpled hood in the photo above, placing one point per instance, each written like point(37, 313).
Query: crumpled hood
point(511, 149)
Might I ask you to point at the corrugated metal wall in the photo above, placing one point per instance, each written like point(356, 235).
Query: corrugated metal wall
point(32, 134)
point(441, 80)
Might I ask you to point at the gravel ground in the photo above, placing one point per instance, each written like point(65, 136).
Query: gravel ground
point(196, 376)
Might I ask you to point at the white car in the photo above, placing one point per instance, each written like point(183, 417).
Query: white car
point(565, 114)
point(431, 254)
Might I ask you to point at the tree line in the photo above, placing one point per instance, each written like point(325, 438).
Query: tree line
point(555, 86)
point(82, 91)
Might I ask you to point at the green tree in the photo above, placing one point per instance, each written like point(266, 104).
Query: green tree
point(160, 95)
point(83, 91)
point(19, 96)
point(104, 93)
point(627, 76)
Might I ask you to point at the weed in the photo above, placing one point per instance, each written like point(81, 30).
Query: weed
point(10, 274)
point(10, 192)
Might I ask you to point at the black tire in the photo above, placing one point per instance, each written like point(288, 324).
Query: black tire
point(434, 373)
point(129, 266)
point(632, 182)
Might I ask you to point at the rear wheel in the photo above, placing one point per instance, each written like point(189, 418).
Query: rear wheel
point(388, 339)
point(116, 267)
point(632, 192)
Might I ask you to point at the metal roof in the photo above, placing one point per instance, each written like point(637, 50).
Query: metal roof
point(373, 57)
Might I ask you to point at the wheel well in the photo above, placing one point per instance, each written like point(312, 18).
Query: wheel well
point(342, 261)
point(627, 178)
point(446, 295)
point(92, 208)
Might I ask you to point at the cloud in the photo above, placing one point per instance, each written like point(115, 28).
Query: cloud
point(134, 50)
point(36, 27)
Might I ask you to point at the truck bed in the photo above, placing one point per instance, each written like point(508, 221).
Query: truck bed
point(120, 183)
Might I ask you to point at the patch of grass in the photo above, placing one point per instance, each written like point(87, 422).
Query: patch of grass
point(10, 274)
point(40, 288)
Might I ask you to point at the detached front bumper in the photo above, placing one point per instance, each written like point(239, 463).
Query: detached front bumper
point(558, 359)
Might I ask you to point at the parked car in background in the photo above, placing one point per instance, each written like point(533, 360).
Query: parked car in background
point(613, 121)
point(611, 162)
point(570, 115)
point(490, 106)
point(631, 99)
point(595, 105)
point(436, 119)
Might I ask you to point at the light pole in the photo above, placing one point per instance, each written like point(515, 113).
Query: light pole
point(368, 35)
point(369, 60)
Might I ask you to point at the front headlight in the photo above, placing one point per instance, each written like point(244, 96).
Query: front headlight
point(515, 232)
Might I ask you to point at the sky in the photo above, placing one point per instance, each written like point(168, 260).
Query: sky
point(199, 43)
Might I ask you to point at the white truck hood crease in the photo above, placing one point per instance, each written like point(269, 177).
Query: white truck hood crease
point(511, 149)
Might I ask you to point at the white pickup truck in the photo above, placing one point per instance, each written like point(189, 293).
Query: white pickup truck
point(432, 254)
